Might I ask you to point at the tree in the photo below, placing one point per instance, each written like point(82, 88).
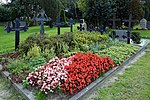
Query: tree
point(122, 9)
point(96, 11)
point(23, 8)
point(136, 9)
point(147, 9)
point(4, 14)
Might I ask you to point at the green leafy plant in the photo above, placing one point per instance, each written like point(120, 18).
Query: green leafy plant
point(40, 95)
point(25, 83)
point(34, 51)
point(19, 68)
point(49, 54)
point(136, 37)
point(36, 62)
point(119, 52)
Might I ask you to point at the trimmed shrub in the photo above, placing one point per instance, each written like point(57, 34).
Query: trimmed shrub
point(63, 43)
point(136, 37)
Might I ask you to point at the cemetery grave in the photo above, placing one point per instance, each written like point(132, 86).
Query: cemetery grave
point(42, 58)
point(71, 64)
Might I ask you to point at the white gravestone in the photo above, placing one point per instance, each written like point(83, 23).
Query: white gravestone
point(143, 23)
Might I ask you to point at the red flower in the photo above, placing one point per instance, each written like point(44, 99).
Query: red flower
point(83, 70)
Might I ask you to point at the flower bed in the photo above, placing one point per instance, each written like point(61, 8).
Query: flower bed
point(71, 74)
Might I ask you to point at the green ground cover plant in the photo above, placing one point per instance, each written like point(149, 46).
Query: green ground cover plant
point(133, 85)
point(119, 52)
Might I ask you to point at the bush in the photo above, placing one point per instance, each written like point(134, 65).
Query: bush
point(33, 51)
point(4, 14)
point(136, 37)
point(63, 43)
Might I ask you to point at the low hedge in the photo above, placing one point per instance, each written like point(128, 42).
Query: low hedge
point(62, 43)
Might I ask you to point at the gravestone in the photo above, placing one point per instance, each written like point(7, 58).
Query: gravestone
point(148, 25)
point(71, 23)
point(17, 28)
point(58, 24)
point(143, 23)
point(122, 35)
point(42, 17)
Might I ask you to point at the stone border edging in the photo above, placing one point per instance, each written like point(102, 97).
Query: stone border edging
point(28, 95)
point(89, 89)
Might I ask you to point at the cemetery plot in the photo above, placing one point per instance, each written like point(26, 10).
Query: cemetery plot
point(69, 72)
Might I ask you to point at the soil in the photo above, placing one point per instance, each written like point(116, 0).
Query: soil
point(4, 58)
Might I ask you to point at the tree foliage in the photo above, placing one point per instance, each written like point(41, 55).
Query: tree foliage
point(147, 9)
point(4, 13)
point(136, 9)
point(96, 11)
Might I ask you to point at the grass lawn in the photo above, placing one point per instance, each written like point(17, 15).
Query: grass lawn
point(133, 85)
point(7, 40)
point(144, 33)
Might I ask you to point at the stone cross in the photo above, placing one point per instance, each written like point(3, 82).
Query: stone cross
point(58, 23)
point(114, 20)
point(71, 23)
point(130, 21)
point(42, 17)
point(17, 28)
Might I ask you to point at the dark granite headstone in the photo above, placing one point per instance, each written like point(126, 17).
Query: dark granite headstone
point(121, 34)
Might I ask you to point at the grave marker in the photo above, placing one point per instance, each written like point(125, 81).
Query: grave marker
point(123, 35)
point(130, 21)
point(101, 29)
point(114, 20)
point(91, 28)
point(71, 23)
point(42, 17)
point(143, 23)
point(17, 28)
point(58, 23)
